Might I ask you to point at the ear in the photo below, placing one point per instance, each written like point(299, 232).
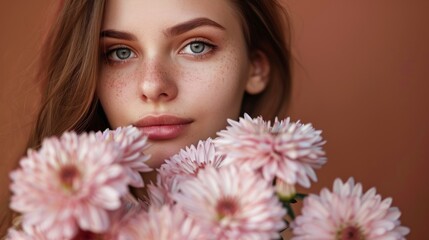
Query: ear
point(259, 72)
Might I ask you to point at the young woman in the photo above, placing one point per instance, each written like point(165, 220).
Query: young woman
point(175, 69)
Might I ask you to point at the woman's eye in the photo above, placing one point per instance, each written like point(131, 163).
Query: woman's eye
point(120, 54)
point(197, 48)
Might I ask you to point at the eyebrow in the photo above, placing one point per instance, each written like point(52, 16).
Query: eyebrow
point(172, 31)
point(118, 35)
point(191, 24)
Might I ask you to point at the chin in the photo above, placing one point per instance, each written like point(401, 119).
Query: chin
point(159, 155)
point(163, 150)
point(156, 161)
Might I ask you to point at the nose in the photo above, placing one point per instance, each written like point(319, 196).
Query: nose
point(157, 83)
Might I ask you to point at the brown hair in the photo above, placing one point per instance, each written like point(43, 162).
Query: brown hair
point(72, 57)
point(68, 73)
point(69, 70)
point(70, 62)
point(266, 28)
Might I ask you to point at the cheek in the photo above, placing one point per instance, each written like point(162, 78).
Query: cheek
point(230, 78)
point(112, 90)
point(219, 86)
point(233, 77)
point(111, 84)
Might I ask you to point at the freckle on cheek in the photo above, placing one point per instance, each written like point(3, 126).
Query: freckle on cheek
point(117, 82)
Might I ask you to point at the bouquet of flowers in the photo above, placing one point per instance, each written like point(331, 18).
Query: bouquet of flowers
point(240, 185)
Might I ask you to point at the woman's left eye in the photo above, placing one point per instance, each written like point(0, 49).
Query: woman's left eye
point(120, 54)
point(197, 48)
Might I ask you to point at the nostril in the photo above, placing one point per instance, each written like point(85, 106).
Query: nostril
point(157, 85)
point(157, 96)
point(163, 95)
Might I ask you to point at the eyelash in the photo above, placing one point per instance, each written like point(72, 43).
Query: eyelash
point(211, 48)
point(108, 54)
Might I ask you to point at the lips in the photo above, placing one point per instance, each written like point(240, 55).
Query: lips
point(163, 127)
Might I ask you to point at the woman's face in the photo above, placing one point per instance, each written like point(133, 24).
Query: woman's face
point(177, 69)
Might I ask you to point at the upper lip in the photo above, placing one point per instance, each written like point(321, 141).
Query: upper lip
point(162, 120)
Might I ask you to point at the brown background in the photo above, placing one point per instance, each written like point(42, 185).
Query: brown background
point(361, 75)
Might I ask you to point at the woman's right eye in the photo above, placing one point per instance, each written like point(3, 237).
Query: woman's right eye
point(120, 54)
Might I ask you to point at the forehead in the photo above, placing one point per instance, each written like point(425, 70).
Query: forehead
point(156, 14)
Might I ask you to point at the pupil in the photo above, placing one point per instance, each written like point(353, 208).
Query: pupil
point(123, 53)
point(197, 47)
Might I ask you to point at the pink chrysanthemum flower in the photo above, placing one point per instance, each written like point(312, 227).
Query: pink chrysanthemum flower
point(232, 204)
point(189, 161)
point(28, 234)
point(346, 214)
point(159, 194)
point(132, 142)
point(18, 235)
point(184, 165)
point(122, 227)
point(287, 150)
point(70, 183)
point(165, 223)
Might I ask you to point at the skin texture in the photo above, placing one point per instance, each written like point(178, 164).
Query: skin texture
point(154, 71)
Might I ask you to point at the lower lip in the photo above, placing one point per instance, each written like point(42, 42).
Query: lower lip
point(164, 132)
